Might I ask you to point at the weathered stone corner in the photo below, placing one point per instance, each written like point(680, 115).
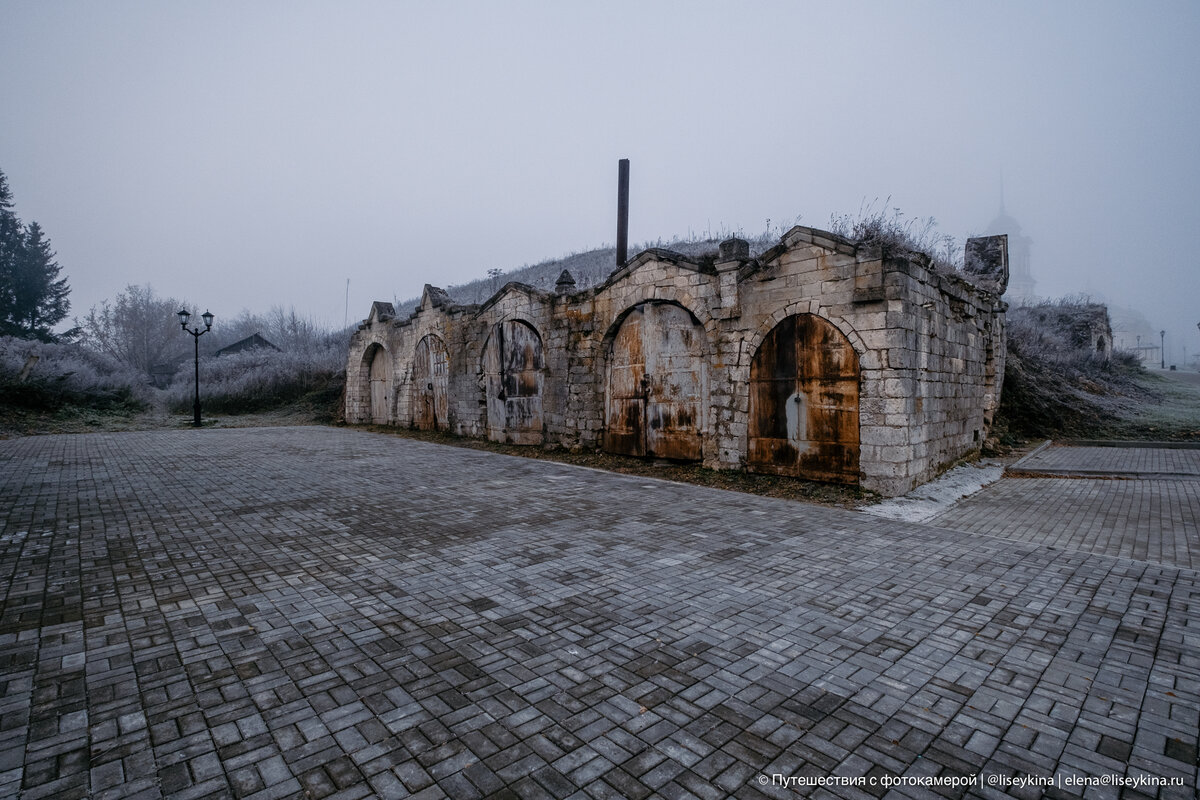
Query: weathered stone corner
point(986, 257)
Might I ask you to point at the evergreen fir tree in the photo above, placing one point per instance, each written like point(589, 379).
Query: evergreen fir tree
point(10, 247)
point(33, 298)
point(41, 296)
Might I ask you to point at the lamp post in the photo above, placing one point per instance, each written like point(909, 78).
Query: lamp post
point(1162, 341)
point(196, 333)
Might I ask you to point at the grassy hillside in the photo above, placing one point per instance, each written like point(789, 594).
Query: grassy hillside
point(588, 268)
point(1057, 386)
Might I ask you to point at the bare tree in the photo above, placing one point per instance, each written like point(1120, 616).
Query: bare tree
point(291, 331)
point(138, 328)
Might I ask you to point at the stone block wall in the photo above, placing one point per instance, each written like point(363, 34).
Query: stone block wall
point(929, 349)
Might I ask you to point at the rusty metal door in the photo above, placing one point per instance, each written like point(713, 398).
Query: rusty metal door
point(655, 399)
point(379, 386)
point(513, 367)
point(431, 409)
point(804, 402)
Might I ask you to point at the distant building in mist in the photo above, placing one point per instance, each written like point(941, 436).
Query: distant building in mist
point(1133, 333)
point(255, 342)
point(1021, 284)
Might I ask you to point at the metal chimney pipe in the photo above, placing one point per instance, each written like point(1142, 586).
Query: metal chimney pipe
point(622, 212)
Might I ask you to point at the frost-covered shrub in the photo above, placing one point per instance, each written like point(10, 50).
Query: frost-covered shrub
point(897, 235)
point(259, 380)
point(66, 374)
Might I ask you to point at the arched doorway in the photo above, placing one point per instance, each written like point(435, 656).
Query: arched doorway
point(654, 403)
point(379, 378)
point(431, 406)
point(513, 367)
point(804, 402)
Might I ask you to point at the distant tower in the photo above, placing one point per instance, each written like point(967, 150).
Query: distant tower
point(1020, 280)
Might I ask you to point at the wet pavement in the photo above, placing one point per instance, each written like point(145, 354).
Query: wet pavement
point(1133, 502)
point(318, 612)
point(1132, 460)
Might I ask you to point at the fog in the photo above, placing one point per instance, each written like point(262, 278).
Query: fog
point(249, 155)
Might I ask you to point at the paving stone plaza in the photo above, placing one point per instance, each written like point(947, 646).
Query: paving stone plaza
point(319, 612)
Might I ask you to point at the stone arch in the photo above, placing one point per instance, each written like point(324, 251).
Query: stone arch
point(513, 366)
point(430, 384)
point(634, 296)
point(656, 378)
point(804, 402)
point(805, 307)
point(377, 376)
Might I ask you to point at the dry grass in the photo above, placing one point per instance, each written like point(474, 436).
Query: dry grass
point(898, 235)
point(17, 421)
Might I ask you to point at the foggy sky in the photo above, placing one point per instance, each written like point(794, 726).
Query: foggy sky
point(243, 155)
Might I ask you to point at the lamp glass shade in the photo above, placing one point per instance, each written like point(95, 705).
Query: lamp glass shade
point(184, 316)
point(208, 318)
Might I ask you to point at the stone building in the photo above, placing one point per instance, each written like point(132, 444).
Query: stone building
point(822, 358)
point(1082, 326)
point(254, 342)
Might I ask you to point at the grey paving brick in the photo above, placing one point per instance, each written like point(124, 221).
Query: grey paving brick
point(332, 613)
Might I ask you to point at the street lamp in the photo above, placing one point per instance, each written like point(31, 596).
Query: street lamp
point(1162, 340)
point(196, 333)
